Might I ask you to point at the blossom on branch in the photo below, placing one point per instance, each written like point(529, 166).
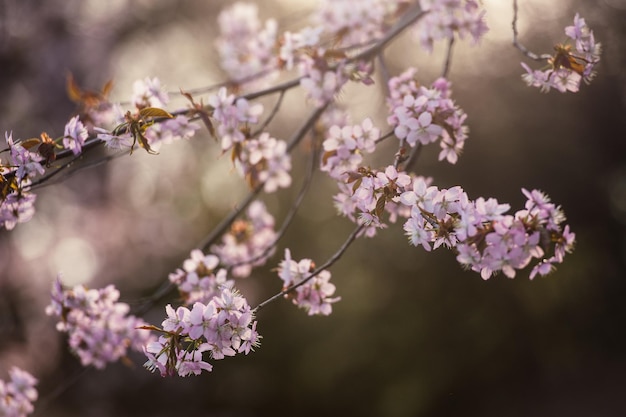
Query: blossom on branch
point(425, 115)
point(18, 394)
point(486, 239)
point(246, 48)
point(224, 326)
point(249, 242)
point(446, 18)
point(200, 279)
point(99, 327)
point(75, 135)
point(315, 295)
point(571, 62)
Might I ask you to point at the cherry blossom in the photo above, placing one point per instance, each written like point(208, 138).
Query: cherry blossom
point(570, 64)
point(447, 18)
point(424, 115)
point(249, 242)
point(314, 296)
point(18, 394)
point(99, 327)
point(224, 326)
point(200, 279)
point(75, 135)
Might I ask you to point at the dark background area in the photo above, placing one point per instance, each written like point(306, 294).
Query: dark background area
point(414, 334)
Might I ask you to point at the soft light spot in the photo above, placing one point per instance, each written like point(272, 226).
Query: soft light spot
point(33, 239)
point(75, 259)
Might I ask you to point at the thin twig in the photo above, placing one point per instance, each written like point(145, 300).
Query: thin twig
point(313, 274)
point(44, 401)
point(384, 137)
point(290, 215)
point(226, 222)
point(271, 115)
point(287, 85)
point(415, 153)
point(384, 73)
point(43, 181)
point(518, 45)
point(407, 20)
point(448, 62)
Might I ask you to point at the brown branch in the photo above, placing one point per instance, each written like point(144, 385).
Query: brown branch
point(351, 238)
point(518, 45)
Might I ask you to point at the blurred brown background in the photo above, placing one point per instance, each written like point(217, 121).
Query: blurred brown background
point(414, 335)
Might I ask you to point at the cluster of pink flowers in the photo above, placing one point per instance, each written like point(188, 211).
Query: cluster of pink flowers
point(17, 395)
point(246, 48)
point(265, 160)
point(354, 22)
point(99, 327)
point(233, 117)
point(170, 130)
point(425, 115)
point(149, 93)
point(224, 326)
point(485, 238)
point(322, 77)
point(314, 296)
point(568, 67)
point(249, 243)
point(447, 17)
point(344, 147)
point(200, 279)
point(17, 203)
point(295, 45)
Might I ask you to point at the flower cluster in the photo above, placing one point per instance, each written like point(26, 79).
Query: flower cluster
point(223, 327)
point(354, 22)
point(99, 327)
point(485, 238)
point(17, 395)
point(568, 67)
point(344, 147)
point(245, 47)
point(447, 17)
point(294, 45)
point(149, 93)
point(148, 99)
point(233, 117)
point(170, 130)
point(319, 78)
point(425, 115)
point(199, 280)
point(314, 296)
point(17, 203)
point(249, 242)
point(265, 160)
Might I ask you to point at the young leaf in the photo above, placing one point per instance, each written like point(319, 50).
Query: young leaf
point(154, 112)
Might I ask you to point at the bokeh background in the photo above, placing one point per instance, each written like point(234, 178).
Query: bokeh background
point(414, 334)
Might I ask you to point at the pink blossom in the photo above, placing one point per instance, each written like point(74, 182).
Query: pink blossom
point(18, 394)
point(75, 135)
point(315, 295)
point(100, 329)
point(245, 46)
point(570, 64)
point(224, 326)
point(424, 115)
point(149, 93)
point(248, 243)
